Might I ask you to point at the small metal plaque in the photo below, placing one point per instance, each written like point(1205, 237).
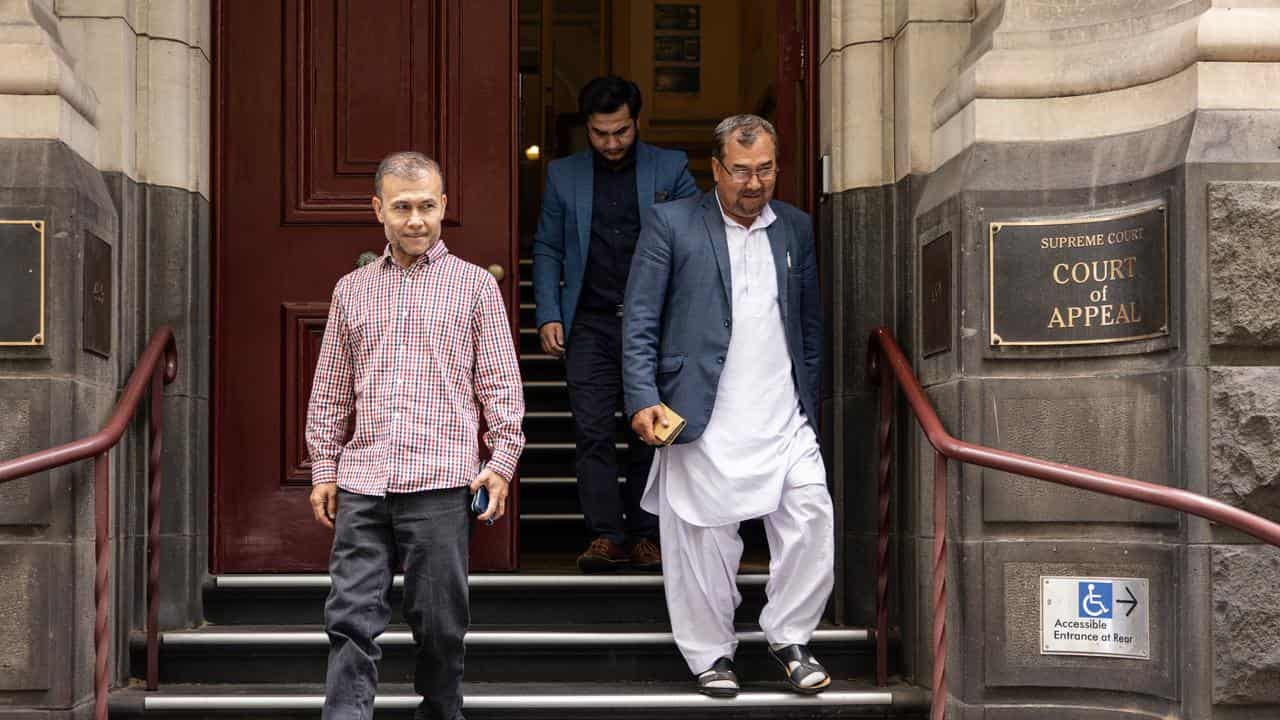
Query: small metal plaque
point(677, 17)
point(1074, 281)
point(97, 295)
point(22, 283)
point(935, 289)
point(677, 48)
point(1099, 616)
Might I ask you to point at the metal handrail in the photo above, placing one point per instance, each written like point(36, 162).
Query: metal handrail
point(157, 367)
point(887, 364)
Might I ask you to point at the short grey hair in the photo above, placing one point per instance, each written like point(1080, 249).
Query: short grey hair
point(744, 129)
point(407, 164)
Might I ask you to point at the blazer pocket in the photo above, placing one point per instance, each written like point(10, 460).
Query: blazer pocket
point(670, 363)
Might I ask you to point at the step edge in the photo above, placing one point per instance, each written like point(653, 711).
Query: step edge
point(487, 581)
point(555, 480)
point(478, 638)
point(881, 698)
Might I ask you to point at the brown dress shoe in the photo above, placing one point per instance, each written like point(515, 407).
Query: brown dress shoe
point(603, 554)
point(645, 555)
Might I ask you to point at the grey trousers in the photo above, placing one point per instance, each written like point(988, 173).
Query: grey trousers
point(428, 533)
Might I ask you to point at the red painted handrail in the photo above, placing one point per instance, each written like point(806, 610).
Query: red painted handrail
point(885, 365)
point(157, 367)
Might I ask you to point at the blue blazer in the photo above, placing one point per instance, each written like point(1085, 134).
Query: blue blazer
point(679, 314)
point(564, 228)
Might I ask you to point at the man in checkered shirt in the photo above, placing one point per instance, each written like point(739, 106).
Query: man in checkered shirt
point(417, 346)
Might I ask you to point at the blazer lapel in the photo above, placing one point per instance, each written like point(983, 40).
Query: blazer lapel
point(583, 190)
point(646, 177)
point(780, 244)
point(719, 243)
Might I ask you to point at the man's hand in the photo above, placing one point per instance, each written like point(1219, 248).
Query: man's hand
point(644, 421)
point(324, 503)
point(552, 337)
point(497, 487)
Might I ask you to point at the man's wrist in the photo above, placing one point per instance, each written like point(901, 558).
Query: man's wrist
point(501, 466)
point(324, 471)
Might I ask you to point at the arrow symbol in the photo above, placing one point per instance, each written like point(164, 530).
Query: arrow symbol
point(1132, 602)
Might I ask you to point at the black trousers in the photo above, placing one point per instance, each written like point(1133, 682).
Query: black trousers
point(593, 368)
point(428, 533)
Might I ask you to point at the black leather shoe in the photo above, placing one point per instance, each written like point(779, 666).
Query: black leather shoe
point(804, 673)
point(720, 681)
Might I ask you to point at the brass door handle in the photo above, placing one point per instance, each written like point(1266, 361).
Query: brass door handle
point(497, 272)
point(365, 258)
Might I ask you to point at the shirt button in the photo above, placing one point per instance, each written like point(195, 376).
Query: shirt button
point(720, 360)
point(726, 323)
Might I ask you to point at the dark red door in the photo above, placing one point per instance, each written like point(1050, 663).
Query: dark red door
point(797, 109)
point(310, 94)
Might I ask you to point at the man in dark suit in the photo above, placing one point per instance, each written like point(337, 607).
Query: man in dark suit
point(586, 236)
point(723, 325)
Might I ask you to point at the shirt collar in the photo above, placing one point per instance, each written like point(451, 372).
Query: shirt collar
point(763, 220)
point(433, 253)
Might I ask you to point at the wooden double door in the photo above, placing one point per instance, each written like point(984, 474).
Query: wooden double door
point(309, 96)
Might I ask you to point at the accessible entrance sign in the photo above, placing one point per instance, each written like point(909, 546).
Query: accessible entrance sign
point(1101, 616)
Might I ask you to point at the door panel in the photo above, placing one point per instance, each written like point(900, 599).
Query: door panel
point(310, 95)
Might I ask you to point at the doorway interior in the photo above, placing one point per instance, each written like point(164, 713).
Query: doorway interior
point(695, 62)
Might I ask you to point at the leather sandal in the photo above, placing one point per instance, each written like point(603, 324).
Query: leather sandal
point(720, 681)
point(804, 673)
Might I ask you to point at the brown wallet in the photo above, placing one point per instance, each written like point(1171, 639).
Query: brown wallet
point(667, 435)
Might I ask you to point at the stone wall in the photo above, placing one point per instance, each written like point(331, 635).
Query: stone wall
point(104, 133)
point(1013, 109)
point(150, 61)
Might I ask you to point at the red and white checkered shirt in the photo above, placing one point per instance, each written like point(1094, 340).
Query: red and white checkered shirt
point(417, 353)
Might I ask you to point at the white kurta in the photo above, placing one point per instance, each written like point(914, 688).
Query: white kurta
point(737, 468)
point(758, 457)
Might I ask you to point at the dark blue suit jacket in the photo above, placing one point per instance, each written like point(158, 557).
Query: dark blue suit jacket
point(679, 312)
point(564, 228)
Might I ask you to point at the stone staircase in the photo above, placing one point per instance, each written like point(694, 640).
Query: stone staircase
point(546, 642)
point(542, 644)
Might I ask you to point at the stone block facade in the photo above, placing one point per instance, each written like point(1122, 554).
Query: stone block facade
point(104, 137)
point(1009, 110)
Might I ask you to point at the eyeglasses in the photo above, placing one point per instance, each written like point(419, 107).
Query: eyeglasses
point(743, 175)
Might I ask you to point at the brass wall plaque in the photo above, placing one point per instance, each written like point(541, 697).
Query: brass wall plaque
point(935, 291)
point(1075, 281)
point(21, 283)
point(97, 295)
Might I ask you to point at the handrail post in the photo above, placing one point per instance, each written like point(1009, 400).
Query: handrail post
point(939, 706)
point(882, 543)
point(102, 583)
point(154, 476)
point(883, 351)
point(157, 366)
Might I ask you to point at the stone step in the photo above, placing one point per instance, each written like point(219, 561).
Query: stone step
point(571, 701)
point(277, 654)
point(546, 600)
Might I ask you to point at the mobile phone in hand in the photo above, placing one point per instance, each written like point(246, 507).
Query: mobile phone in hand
point(480, 503)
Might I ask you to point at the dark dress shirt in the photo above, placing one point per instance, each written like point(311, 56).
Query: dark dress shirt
point(615, 226)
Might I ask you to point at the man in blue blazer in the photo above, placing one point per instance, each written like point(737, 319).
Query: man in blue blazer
point(724, 326)
point(586, 237)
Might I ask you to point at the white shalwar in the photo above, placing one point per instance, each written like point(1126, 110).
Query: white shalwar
point(758, 457)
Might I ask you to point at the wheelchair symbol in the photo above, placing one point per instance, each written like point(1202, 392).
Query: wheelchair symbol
point(1095, 601)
